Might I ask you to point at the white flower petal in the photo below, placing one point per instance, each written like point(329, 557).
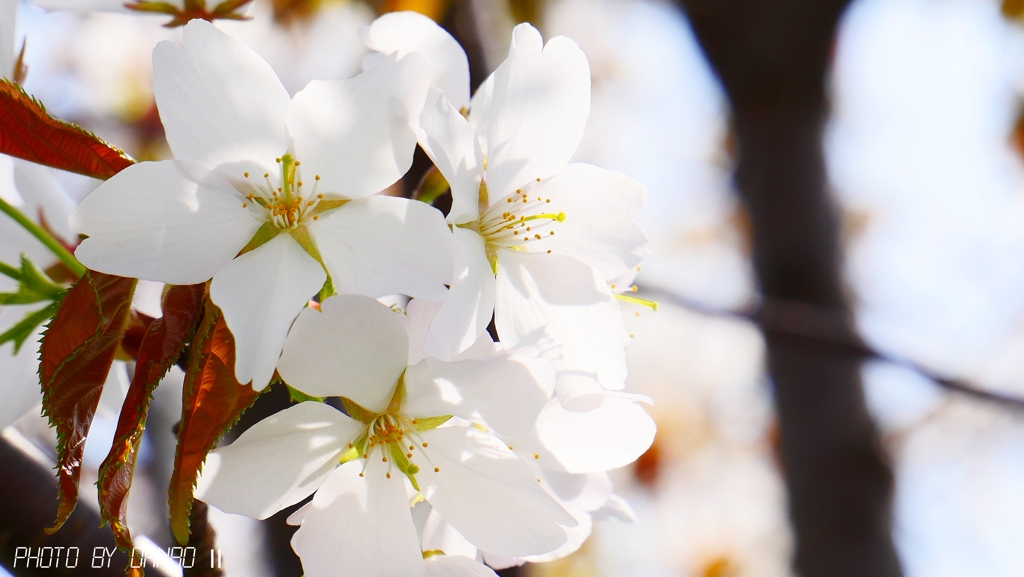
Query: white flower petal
point(260, 294)
point(456, 566)
point(611, 436)
point(19, 387)
point(219, 101)
point(483, 348)
point(359, 526)
point(616, 509)
point(417, 318)
point(574, 538)
point(567, 300)
point(449, 141)
point(489, 495)
point(599, 207)
point(537, 112)
point(8, 19)
point(353, 347)
point(407, 32)
point(153, 221)
point(586, 492)
point(357, 134)
point(504, 393)
point(470, 304)
point(499, 562)
point(44, 198)
point(278, 462)
point(383, 245)
point(438, 535)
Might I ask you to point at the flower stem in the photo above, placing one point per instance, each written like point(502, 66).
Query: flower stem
point(44, 237)
point(8, 270)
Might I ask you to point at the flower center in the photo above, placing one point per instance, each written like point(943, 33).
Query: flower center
point(521, 219)
point(394, 434)
point(287, 206)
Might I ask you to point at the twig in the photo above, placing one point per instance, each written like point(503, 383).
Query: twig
point(825, 326)
point(44, 237)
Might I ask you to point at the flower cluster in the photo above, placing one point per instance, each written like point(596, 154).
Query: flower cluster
point(429, 447)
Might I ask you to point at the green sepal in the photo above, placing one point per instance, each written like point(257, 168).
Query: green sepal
point(20, 332)
point(432, 553)
point(350, 455)
point(158, 7)
point(265, 234)
point(327, 291)
point(483, 199)
point(308, 244)
point(328, 204)
point(33, 286)
point(355, 451)
point(431, 187)
point(298, 396)
point(227, 8)
point(430, 422)
point(357, 412)
point(396, 400)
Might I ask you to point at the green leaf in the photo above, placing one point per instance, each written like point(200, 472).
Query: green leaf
point(20, 332)
point(36, 280)
point(33, 286)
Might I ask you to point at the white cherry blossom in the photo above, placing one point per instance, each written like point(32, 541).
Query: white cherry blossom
point(542, 236)
point(414, 432)
point(569, 451)
point(268, 194)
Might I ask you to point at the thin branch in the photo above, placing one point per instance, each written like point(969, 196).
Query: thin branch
point(825, 326)
point(44, 237)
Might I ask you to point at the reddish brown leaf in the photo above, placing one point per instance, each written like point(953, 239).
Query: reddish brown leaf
point(212, 401)
point(162, 343)
point(134, 331)
point(28, 132)
point(74, 359)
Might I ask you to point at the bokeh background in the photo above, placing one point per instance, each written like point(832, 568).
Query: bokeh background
point(924, 157)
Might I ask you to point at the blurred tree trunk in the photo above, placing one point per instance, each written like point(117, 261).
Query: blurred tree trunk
point(28, 497)
point(772, 57)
